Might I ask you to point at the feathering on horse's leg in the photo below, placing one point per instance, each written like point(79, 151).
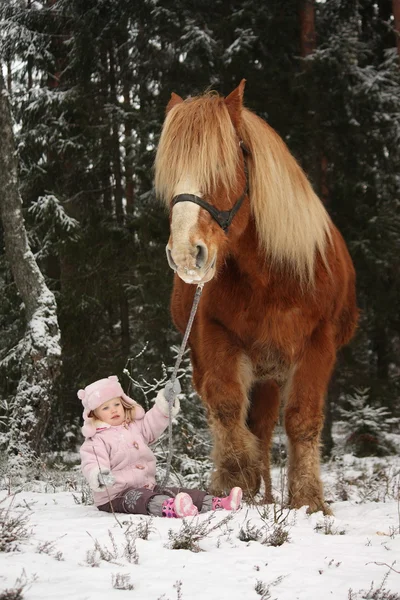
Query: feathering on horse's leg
point(236, 452)
point(304, 395)
point(263, 416)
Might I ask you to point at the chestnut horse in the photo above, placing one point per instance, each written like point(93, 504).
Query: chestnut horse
point(280, 294)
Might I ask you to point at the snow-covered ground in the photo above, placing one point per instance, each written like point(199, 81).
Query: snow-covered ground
point(74, 551)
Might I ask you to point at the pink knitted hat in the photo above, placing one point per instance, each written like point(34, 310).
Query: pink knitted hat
point(95, 394)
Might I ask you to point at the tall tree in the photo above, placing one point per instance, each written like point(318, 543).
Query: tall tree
point(396, 19)
point(38, 353)
point(359, 82)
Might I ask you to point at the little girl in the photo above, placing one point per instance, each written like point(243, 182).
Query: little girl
point(117, 462)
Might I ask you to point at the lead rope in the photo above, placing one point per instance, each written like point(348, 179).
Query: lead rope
point(195, 304)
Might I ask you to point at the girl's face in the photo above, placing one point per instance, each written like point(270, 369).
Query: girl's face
point(111, 412)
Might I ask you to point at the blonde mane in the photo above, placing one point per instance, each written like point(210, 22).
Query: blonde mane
point(198, 137)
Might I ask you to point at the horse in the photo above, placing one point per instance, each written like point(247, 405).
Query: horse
point(279, 294)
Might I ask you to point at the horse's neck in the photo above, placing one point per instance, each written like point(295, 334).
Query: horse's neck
point(260, 273)
point(249, 258)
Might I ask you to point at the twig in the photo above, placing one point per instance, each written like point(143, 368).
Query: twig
point(384, 565)
point(108, 493)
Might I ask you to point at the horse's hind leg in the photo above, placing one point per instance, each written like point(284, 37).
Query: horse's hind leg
point(305, 393)
point(263, 416)
point(224, 388)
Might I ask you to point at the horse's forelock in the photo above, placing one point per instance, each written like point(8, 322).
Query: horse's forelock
point(197, 139)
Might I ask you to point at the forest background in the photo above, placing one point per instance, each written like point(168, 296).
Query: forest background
point(87, 83)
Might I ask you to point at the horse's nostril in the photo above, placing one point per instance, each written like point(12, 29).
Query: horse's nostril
point(201, 255)
point(170, 259)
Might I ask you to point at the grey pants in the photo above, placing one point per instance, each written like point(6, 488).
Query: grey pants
point(142, 501)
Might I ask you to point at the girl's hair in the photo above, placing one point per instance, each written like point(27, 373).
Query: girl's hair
point(129, 412)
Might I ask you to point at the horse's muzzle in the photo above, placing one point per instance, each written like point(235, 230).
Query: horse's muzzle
point(198, 271)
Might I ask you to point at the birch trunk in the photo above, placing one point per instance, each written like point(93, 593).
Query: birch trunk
point(38, 353)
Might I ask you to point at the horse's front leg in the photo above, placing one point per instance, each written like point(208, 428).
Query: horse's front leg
point(224, 386)
point(305, 393)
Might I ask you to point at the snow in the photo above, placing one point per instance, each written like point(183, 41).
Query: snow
point(363, 546)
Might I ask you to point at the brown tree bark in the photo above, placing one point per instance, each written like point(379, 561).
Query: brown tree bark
point(307, 25)
point(308, 44)
point(396, 16)
point(38, 353)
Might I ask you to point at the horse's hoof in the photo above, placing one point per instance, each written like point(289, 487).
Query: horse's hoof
point(320, 507)
point(313, 506)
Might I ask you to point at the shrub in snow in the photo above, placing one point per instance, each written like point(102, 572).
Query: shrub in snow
point(140, 530)
point(22, 584)
point(192, 531)
point(379, 592)
point(13, 529)
point(366, 427)
point(128, 550)
point(274, 534)
point(120, 581)
point(327, 527)
point(102, 552)
point(263, 589)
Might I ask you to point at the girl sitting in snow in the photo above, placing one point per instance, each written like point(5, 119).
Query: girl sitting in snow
point(117, 462)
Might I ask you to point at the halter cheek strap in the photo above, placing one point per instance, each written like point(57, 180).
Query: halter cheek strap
point(223, 217)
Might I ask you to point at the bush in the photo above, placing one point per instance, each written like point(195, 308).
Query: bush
point(366, 427)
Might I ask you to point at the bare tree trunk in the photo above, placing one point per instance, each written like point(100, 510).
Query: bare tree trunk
point(30, 59)
point(308, 44)
point(118, 190)
point(124, 313)
point(126, 81)
point(129, 188)
point(307, 24)
point(105, 168)
point(39, 352)
point(396, 15)
point(9, 77)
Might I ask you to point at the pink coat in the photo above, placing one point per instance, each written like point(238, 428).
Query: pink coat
point(124, 451)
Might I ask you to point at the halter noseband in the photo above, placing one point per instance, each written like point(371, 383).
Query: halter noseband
point(223, 217)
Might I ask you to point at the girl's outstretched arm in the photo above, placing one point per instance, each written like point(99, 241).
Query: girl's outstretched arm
point(155, 421)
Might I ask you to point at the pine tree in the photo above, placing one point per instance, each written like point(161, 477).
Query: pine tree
point(366, 426)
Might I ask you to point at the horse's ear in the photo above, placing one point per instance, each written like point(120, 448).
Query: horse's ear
point(234, 102)
point(174, 100)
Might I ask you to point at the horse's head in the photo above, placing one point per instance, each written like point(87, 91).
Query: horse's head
point(201, 175)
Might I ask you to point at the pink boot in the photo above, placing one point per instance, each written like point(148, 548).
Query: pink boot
point(231, 502)
point(180, 506)
point(184, 506)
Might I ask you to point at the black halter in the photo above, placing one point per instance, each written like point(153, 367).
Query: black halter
point(223, 217)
